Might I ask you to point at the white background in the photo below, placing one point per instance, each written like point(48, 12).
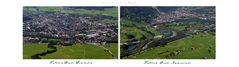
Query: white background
point(227, 32)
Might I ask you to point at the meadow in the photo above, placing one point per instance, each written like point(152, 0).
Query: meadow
point(77, 51)
point(200, 46)
point(107, 11)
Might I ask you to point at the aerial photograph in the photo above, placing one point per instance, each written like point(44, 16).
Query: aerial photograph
point(167, 32)
point(70, 32)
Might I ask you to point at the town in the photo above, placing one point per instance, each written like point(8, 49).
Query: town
point(77, 28)
point(70, 30)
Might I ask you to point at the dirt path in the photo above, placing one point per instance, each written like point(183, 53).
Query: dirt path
point(109, 52)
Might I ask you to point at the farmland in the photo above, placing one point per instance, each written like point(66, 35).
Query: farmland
point(75, 10)
point(31, 49)
point(196, 46)
point(78, 51)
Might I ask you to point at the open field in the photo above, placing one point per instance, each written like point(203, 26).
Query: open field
point(191, 47)
point(106, 11)
point(78, 51)
point(31, 49)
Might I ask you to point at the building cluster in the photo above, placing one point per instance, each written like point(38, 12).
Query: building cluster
point(184, 13)
point(71, 27)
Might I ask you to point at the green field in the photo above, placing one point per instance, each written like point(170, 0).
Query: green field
point(136, 30)
point(113, 48)
point(78, 51)
point(109, 21)
point(31, 49)
point(107, 11)
point(192, 47)
point(133, 31)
